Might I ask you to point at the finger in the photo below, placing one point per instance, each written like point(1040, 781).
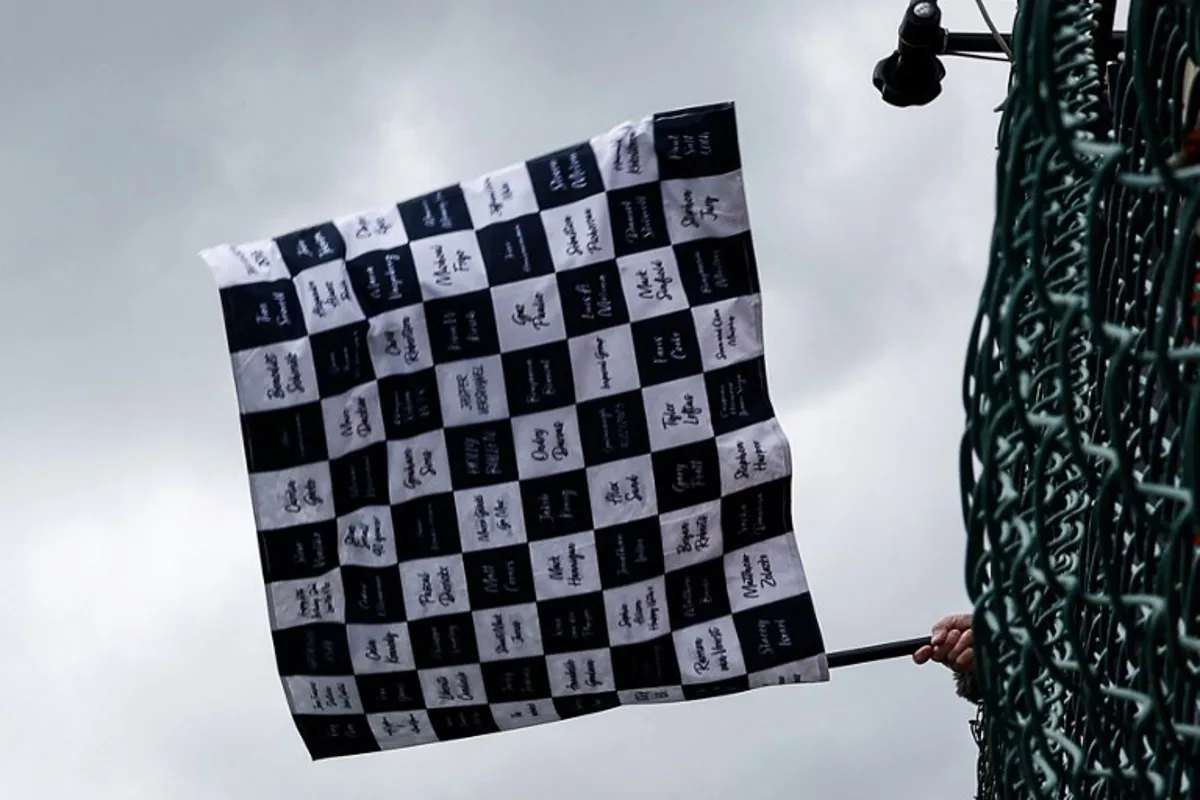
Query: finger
point(939, 636)
point(953, 657)
point(960, 622)
point(923, 654)
point(965, 661)
point(941, 651)
point(965, 642)
point(954, 622)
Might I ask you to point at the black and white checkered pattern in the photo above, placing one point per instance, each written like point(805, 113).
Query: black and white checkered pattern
point(511, 450)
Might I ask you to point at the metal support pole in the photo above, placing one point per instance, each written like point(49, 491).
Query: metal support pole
point(1107, 46)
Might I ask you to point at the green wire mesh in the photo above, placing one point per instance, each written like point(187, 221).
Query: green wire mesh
point(1081, 463)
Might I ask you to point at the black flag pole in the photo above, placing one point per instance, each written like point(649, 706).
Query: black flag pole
point(876, 652)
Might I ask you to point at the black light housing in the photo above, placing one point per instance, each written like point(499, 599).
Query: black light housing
point(912, 75)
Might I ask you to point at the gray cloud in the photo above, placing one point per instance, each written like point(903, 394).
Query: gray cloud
point(138, 133)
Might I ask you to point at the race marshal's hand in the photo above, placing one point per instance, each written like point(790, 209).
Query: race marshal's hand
point(952, 644)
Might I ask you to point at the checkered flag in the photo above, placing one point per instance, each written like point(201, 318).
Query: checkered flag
point(511, 452)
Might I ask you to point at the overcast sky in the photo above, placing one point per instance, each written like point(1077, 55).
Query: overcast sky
point(137, 660)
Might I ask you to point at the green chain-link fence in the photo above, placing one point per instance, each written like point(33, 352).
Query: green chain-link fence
point(1081, 461)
